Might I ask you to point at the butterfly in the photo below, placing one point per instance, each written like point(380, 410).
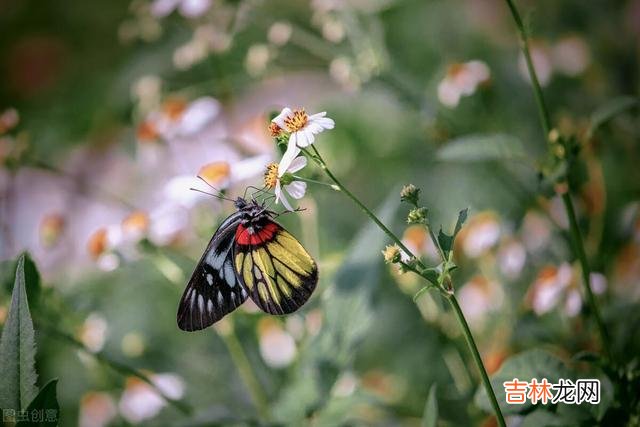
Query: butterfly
point(249, 256)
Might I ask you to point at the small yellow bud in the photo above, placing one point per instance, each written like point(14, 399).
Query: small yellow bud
point(417, 216)
point(553, 136)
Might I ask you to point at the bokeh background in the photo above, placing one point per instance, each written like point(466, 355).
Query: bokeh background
point(109, 109)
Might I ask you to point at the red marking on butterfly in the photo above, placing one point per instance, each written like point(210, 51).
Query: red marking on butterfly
point(266, 233)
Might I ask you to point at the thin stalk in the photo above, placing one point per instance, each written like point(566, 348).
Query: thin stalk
point(576, 236)
point(476, 357)
point(578, 247)
point(245, 370)
point(545, 118)
point(450, 297)
point(119, 367)
point(318, 159)
point(313, 181)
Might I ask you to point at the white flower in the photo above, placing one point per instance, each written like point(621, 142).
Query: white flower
point(277, 346)
point(140, 401)
point(279, 177)
point(97, 409)
point(187, 8)
point(462, 80)
point(301, 127)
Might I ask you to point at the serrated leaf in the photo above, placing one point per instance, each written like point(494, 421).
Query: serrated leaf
point(482, 148)
point(18, 349)
point(31, 274)
point(445, 240)
point(45, 405)
point(525, 366)
point(430, 416)
point(611, 109)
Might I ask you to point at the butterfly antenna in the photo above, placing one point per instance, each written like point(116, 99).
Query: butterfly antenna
point(220, 193)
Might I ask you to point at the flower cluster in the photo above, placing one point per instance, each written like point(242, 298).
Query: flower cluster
point(297, 129)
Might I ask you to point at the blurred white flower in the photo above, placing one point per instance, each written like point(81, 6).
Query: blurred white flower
point(345, 385)
point(279, 177)
point(571, 55)
point(342, 71)
point(279, 33)
point(93, 332)
point(481, 233)
point(541, 59)
point(133, 344)
point(140, 401)
point(416, 238)
point(536, 231)
point(511, 258)
point(187, 8)
point(190, 53)
point(97, 409)
point(462, 79)
point(277, 346)
point(333, 30)
point(147, 91)
point(257, 59)
point(478, 297)
point(549, 287)
point(179, 119)
point(9, 119)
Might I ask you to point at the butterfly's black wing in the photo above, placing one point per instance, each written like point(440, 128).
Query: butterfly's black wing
point(213, 290)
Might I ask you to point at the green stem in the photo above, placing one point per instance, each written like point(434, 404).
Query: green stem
point(576, 235)
point(450, 297)
point(578, 247)
point(118, 367)
point(316, 157)
point(245, 370)
point(476, 357)
point(545, 118)
point(313, 181)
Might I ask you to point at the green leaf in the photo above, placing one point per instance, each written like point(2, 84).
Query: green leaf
point(611, 109)
point(482, 148)
point(45, 405)
point(430, 416)
point(18, 349)
point(31, 274)
point(525, 366)
point(32, 280)
point(446, 241)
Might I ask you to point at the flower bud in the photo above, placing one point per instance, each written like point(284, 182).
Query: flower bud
point(391, 254)
point(410, 194)
point(418, 216)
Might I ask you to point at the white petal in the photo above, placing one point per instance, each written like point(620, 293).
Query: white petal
point(305, 138)
point(198, 115)
point(287, 158)
point(296, 189)
point(162, 8)
point(297, 164)
point(280, 197)
point(279, 119)
point(194, 8)
point(317, 115)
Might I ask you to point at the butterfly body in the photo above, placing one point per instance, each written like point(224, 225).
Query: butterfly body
point(249, 256)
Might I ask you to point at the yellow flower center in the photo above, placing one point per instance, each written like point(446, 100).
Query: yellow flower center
point(271, 175)
point(296, 121)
